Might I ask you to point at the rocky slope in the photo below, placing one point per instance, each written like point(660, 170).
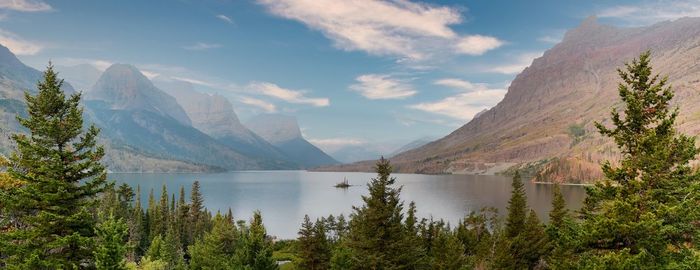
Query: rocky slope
point(123, 87)
point(284, 133)
point(214, 115)
point(544, 124)
point(136, 116)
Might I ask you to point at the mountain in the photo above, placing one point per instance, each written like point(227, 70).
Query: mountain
point(544, 125)
point(137, 116)
point(124, 87)
point(284, 133)
point(82, 76)
point(214, 115)
point(413, 145)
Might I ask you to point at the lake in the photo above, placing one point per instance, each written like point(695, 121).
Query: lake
point(284, 197)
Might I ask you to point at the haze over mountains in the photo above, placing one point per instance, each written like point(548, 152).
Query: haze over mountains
point(545, 124)
point(146, 128)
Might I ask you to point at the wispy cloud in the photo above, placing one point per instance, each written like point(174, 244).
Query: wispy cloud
point(399, 28)
point(652, 11)
point(519, 63)
point(25, 5)
point(473, 99)
point(331, 145)
point(382, 86)
point(456, 83)
point(225, 18)
point(18, 45)
point(99, 64)
point(200, 46)
point(550, 39)
point(288, 95)
point(477, 44)
point(267, 106)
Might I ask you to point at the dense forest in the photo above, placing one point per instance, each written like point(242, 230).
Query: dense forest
point(59, 211)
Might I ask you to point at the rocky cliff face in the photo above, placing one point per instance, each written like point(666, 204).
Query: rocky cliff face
point(545, 121)
point(214, 115)
point(284, 133)
point(125, 88)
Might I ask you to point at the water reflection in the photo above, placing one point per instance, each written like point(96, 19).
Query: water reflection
point(284, 197)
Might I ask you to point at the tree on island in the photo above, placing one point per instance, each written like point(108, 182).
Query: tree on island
point(58, 166)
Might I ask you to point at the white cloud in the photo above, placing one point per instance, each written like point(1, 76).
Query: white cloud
point(398, 28)
point(25, 5)
point(519, 64)
point(149, 74)
point(477, 44)
point(196, 81)
point(652, 11)
point(200, 46)
point(466, 104)
point(457, 84)
point(381, 86)
point(267, 106)
point(288, 95)
point(99, 64)
point(331, 145)
point(18, 45)
point(550, 39)
point(224, 18)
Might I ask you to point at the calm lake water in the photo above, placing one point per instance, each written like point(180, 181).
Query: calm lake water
point(284, 197)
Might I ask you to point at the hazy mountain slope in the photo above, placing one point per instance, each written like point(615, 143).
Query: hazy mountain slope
point(82, 76)
point(214, 115)
point(545, 122)
point(125, 88)
point(284, 133)
point(15, 78)
point(413, 144)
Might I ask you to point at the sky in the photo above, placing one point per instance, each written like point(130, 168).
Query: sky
point(353, 72)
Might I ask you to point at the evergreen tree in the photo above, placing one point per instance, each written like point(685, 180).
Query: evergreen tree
point(59, 168)
point(137, 229)
point(255, 251)
point(638, 215)
point(517, 208)
point(377, 236)
point(182, 218)
point(197, 215)
point(314, 249)
point(111, 246)
point(216, 250)
point(447, 252)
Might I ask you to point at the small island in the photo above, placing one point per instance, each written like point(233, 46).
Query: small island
point(343, 184)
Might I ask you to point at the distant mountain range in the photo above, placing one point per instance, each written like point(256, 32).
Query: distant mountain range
point(544, 125)
point(166, 126)
point(284, 133)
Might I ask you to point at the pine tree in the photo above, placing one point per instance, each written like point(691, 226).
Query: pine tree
point(314, 248)
point(559, 213)
point(447, 252)
point(137, 229)
point(197, 215)
point(182, 218)
point(255, 251)
point(641, 213)
point(377, 235)
point(517, 208)
point(217, 248)
point(111, 246)
point(59, 168)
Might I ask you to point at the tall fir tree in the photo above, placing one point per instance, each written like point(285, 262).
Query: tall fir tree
point(637, 214)
point(59, 168)
point(377, 237)
point(314, 248)
point(217, 248)
point(255, 250)
point(111, 249)
point(517, 208)
point(197, 214)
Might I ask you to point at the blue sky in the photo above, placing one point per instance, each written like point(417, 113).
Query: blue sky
point(353, 72)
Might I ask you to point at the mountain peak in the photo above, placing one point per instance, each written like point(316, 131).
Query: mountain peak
point(124, 87)
point(275, 128)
